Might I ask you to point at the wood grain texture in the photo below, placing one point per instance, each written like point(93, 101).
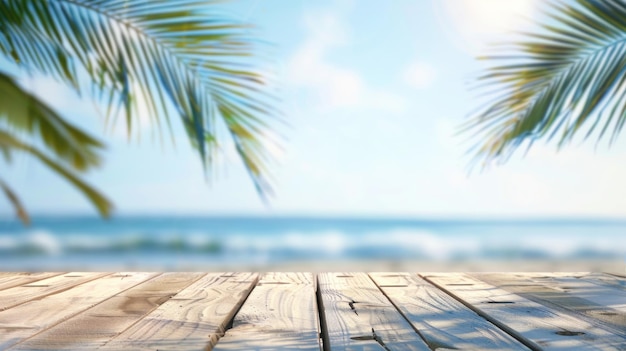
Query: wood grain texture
point(96, 326)
point(358, 316)
point(280, 314)
point(605, 279)
point(193, 319)
point(586, 298)
point(9, 280)
point(190, 311)
point(441, 320)
point(24, 321)
point(541, 327)
point(37, 289)
point(602, 279)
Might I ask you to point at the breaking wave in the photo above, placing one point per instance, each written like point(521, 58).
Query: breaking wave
point(293, 244)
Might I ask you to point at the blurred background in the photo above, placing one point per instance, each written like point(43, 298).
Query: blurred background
point(370, 172)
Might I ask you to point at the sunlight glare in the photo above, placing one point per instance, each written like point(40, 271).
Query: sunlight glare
point(477, 23)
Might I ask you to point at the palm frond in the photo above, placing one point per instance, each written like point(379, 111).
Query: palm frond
point(170, 52)
point(20, 211)
point(25, 113)
point(567, 78)
point(9, 143)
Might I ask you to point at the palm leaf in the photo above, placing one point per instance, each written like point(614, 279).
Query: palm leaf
point(15, 201)
point(567, 80)
point(10, 143)
point(23, 112)
point(170, 52)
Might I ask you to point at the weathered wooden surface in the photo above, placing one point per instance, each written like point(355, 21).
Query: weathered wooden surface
point(303, 311)
point(98, 325)
point(443, 322)
point(10, 280)
point(537, 325)
point(19, 323)
point(359, 317)
point(37, 289)
point(574, 293)
point(281, 312)
point(192, 319)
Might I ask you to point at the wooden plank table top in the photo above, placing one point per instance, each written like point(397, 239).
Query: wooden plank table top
point(306, 311)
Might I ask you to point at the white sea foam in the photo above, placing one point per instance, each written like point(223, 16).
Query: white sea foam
point(353, 240)
point(424, 242)
point(45, 241)
point(334, 243)
point(330, 242)
point(421, 243)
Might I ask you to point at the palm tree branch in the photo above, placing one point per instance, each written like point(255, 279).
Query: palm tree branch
point(168, 52)
point(557, 86)
point(20, 211)
point(104, 206)
point(26, 113)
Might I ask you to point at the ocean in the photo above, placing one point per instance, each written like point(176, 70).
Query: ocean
point(194, 243)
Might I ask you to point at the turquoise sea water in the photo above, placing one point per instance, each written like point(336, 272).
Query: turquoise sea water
point(149, 242)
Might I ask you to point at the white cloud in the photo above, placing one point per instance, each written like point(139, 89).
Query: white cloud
point(343, 87)
point(420, 74)
point(384, 100)
point(332, 84)
point(473, 24)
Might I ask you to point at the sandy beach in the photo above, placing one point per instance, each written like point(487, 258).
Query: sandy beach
point(609, 266)
point(613, 266)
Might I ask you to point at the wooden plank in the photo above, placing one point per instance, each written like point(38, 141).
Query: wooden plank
point(538, 326)
point(21, 322)
point(619, 275)
point(597, 294)
point(602, 279)
point(37, 289)
point(193, 319)
point(357, 316)
point(441, 320)
point(96, 326)
point(595, 301)
point(280, 313)
point(606, 279)
point(9, 280)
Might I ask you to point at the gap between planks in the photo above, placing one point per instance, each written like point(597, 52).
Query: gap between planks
point(538, 326)
point(442, 321)
point(10, 280)
point(96, 326)
point(193, 319)
point(30, 318)
point(38, 289)
point(358, 316)
point(596, 299)
point(401, 298)
point(280, 313)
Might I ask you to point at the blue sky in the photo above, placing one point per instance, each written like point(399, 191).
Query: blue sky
point(373, 96)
